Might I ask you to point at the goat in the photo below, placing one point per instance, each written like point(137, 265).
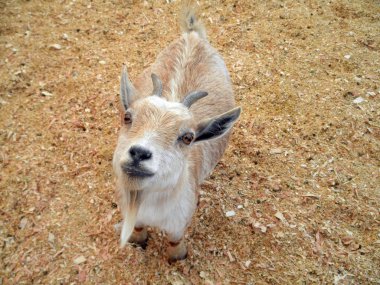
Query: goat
point(172, 138)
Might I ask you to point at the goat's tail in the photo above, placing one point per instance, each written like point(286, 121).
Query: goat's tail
point(189, 22)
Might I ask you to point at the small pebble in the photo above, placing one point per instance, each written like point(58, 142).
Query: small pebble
point(230, 213)
point(347, 56)
point(102, 62)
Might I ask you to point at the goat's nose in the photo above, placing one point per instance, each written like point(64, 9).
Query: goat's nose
point(138, 153)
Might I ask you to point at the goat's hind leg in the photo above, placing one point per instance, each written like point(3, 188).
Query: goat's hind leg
point(139, 237)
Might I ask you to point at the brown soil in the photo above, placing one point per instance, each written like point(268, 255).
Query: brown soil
point(303, 162)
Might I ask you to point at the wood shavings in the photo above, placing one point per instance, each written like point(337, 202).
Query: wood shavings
point(302, 146)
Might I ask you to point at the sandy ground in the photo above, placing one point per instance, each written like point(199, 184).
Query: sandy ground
point(301, 172)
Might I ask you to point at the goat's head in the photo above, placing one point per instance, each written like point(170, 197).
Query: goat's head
point(156, 136)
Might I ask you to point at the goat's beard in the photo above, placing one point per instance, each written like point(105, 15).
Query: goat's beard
point(131, 201)
point(130, 191)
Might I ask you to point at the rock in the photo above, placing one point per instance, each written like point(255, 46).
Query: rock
point(347, 56)
point(230, 214)
point(102, 62)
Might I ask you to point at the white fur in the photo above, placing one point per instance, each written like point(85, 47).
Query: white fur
point(167, 200)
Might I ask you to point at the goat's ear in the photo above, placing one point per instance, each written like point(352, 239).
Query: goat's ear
point(127, 91)
point(217, 126)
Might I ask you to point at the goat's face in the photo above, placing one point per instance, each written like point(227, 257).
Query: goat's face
point(156, 136)
point(153, 143)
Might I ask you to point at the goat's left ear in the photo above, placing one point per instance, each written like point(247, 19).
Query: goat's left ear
point(216, 126)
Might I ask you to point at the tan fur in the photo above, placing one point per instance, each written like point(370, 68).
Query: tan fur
point(186, 65)
point(193, 56)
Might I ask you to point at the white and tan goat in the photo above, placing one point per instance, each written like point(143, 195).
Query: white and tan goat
point(172, 138)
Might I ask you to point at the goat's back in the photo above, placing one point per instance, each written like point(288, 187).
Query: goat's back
point(188, 64)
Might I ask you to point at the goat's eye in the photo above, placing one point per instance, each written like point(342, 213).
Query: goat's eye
point(127, 118)
point(187, 138)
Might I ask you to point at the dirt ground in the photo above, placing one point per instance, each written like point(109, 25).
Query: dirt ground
point(301, 172)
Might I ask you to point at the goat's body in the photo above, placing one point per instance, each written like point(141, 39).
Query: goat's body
point(186, 65)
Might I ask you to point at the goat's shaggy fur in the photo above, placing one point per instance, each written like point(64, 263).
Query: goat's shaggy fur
point(166, 197)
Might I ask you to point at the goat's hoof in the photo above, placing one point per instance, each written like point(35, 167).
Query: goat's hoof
point(174, 259)
point(139, 238)
point(143, 244)
point(177, 251)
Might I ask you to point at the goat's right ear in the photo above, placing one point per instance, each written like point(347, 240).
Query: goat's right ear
point(127, 91)
point(217, 126)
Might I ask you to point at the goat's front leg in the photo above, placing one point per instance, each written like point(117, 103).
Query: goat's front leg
point(177, 249)
point(139, 237)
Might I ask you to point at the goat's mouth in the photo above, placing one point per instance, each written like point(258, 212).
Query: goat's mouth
point(136, 171)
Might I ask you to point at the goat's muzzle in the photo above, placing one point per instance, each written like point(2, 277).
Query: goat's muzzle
point(135, 170)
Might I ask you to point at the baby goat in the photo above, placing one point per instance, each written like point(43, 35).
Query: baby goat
point(171, 138)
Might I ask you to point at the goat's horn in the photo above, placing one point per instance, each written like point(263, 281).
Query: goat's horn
point(157, 85)
point(192, 97)
point(126, 88)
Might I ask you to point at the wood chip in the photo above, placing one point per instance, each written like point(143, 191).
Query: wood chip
point(23, 223)
point(55, 46)
point(230, 257)
point(79, 259)
point(358, 100)
point(51, 238)
point(281, 217)
point(46, 93)
point(276, 151)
